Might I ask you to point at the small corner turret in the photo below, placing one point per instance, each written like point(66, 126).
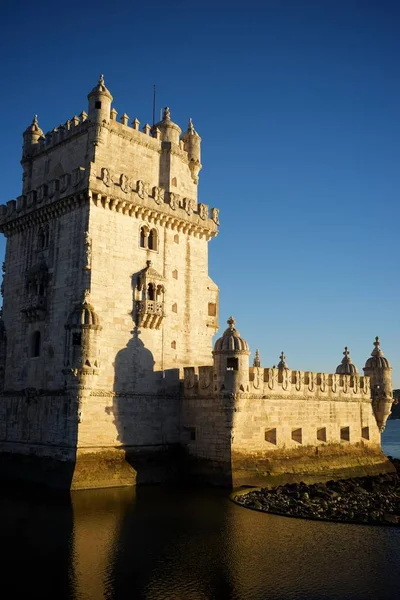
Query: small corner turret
point(169, 131)
point(32, 135)
point(231, 361)
point(380, 372)
point(191, 143)
point(100, 100)
point(346, 367)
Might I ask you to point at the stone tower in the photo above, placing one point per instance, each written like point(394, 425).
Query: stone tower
point(106, 286)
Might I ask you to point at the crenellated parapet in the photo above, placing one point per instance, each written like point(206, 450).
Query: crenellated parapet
point(273, 381)
point(284, 384)
point(58, 196)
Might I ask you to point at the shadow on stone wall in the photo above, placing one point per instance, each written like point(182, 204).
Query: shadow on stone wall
point(146, 415)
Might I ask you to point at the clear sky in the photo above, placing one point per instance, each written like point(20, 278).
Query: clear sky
point(297, 103)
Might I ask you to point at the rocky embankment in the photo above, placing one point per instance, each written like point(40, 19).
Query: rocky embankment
point(370, 500)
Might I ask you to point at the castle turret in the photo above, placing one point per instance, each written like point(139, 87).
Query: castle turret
point(81, 350)
point(380, 372)
point(192, 142)
point(346, 367)
point(32, 135)
point(282, 364)
point(231, 361)
point(169, 130)
point(100, 102)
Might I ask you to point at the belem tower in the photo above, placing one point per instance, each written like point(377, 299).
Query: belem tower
point(107, 371)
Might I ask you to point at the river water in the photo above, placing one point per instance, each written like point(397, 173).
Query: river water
point(164, 543)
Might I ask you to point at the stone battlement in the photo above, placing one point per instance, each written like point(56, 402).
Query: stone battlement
point(272, 382)
point(120, 193)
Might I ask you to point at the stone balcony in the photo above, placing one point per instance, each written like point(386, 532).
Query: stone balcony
point(35, 307)
point(150, 313)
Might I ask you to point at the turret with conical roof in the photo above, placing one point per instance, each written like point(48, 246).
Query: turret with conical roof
point(100, 100)
point(231, 361)
point(379, 370)
point(32, 135)
point(170, 131)
point(346, 367)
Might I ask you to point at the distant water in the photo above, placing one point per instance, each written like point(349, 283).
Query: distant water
point(391, 438)
point(164, 543)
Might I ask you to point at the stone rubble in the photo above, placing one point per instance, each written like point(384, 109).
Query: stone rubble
point(368, 500)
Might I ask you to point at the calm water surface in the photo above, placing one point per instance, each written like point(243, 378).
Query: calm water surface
point(160, 543)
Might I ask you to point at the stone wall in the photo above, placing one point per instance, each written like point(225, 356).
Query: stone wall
point(38, 437)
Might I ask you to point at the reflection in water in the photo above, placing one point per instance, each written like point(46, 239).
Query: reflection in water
point(160, 543)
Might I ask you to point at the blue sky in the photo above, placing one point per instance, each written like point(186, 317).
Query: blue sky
point(297, 103)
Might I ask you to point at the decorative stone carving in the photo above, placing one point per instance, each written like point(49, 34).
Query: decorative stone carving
point(188, 205)
point(172, 200)
point(214, 215)
point(53, 187)
point(88, 253)
point(158, 195)
point(124, 183)
point(106, 177)
point(64, 182)
point(141, 189)
point(203, 211)
point(41, 193)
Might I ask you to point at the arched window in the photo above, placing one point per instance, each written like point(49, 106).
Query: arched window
point(41, 239)
point(150, 292)
point(46, 236)
point(153, 239)
point(142, 237)
point(35, 344)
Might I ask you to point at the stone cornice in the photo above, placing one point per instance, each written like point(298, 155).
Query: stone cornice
point(16, 223)
point(162, 214)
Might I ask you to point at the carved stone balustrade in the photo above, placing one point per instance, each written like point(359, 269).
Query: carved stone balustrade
point(150, 313)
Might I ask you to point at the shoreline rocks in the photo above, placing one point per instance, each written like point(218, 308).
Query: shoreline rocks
point(366, 500)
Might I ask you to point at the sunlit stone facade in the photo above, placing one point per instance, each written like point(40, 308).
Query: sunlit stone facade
point(107, 369)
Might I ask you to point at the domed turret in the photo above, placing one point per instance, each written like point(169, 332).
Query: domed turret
point(81, 352)
point(192, 143)
point(83, 316)
point(379, 370)
point(170, 131)
point(377, 360)
point(231, 361)
point(346, 367)
point(282, 362)
point(32, 135)
point(100, 102)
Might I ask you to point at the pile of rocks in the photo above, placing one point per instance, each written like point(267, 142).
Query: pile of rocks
point(374, 500)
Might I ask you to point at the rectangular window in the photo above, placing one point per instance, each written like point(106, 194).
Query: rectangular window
point(297, 435)
point(270, 436)
point(76, 339)
point(232, 363)
point(365, 433)
point(345, 434)
point(191, 431)
point(97, 104)
point(321, 434)
point(212, 309)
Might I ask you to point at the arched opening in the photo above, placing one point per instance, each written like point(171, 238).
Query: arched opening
point(35, 344)
point(150, 292)
point(142, 237)
point(46, 236)
point(152, 244)
point(41, 239)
